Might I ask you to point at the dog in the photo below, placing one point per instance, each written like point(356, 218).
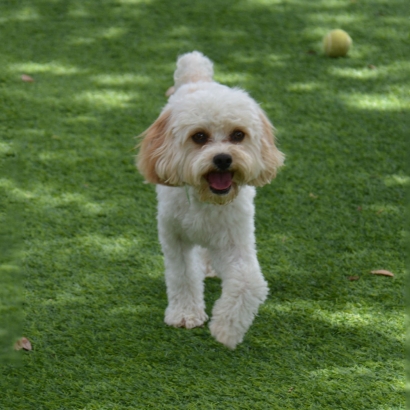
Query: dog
point(207, 151)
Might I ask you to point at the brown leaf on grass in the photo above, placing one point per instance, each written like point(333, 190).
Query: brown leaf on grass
point(352, 278)
point(313, 195)
point(23, 343)
point(382, 272)
point(372, 67)
point(26, 78)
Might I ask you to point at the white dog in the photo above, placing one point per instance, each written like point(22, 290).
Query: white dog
point(209, 148)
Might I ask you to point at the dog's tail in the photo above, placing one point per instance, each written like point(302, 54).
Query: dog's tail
point(193, 67)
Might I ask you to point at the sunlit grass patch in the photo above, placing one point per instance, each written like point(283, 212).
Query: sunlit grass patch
point(106, 98)
point(359, 73)
point(303, 87)
point(109, 246)
point(55, 68)
point(392, 180)
point(5, 149)
point(380, 102)
point(123, 79)
point(330, 20)
point(25, 13)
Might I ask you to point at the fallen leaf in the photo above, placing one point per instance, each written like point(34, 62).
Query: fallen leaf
point(382, 272)
point(23, 343)
point(27, 78)
point(312, 195)
point(372, 67)
point(352, 278)
point(170, 91)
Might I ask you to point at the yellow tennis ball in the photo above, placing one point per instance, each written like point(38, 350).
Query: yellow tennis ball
point(336, 43)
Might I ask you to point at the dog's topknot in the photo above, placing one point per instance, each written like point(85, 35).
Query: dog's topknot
point(193, 67)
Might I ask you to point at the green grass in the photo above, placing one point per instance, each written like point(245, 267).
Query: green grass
point(89, 265)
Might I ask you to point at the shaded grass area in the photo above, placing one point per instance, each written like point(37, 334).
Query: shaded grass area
point(94, 291)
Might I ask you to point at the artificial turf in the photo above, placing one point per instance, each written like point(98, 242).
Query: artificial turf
point(79, 242)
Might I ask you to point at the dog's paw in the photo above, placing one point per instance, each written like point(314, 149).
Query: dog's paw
point(183, 318)
point(234, 312)
point(226, 333)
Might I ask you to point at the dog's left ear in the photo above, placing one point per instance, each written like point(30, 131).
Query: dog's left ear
point(271, 157)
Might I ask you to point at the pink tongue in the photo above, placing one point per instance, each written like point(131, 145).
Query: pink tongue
point(220, 180)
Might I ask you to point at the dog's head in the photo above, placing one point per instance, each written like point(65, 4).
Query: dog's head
point(212, 138)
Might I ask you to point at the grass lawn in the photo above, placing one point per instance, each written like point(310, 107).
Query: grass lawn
point(81, 267)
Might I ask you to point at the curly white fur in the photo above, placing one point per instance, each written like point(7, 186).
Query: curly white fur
point(209, 148)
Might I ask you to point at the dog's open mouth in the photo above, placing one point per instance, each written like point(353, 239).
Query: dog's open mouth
point(220, 182)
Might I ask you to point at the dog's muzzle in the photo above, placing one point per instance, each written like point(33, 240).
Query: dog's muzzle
point(220, 181)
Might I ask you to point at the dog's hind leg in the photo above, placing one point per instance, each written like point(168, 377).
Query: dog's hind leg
point(206, 260)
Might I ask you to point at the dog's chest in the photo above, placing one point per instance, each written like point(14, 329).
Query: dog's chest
point(204, 224)
point(208, 226)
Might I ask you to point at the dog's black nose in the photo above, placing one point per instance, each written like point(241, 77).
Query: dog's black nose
point(222, 161)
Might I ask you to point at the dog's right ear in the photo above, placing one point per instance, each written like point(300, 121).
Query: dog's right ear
point(152, 149)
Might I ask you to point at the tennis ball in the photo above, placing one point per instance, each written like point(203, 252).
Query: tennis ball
point(336, 43)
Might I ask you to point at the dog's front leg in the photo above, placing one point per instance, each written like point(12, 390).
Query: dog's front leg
point(243, 290)
point(184, 275)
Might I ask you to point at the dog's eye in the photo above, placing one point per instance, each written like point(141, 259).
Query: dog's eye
point(237, 136)
point(200, 138)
